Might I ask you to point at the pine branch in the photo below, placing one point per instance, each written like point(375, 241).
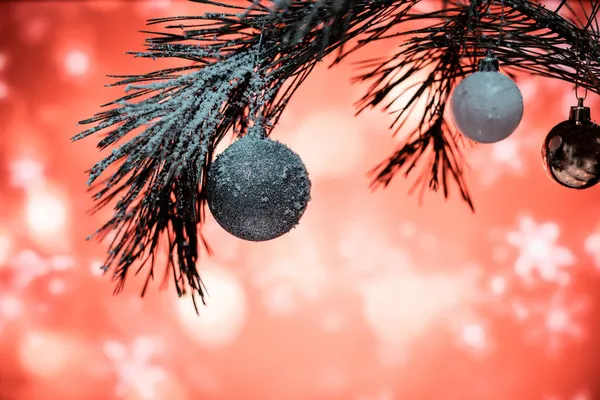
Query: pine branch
point(185, 112)
point(245, 64)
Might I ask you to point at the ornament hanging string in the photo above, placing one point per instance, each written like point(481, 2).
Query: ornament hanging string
point(257, 130)
point(473, 26)
point(257, 54)
point(501, 37)
point(579, 76)
point(580, 69)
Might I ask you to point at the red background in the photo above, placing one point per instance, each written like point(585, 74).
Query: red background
point(372, 297)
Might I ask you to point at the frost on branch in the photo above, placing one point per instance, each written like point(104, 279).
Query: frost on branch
point(160, 171)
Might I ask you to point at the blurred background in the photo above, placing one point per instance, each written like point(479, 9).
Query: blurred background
point(372, 297)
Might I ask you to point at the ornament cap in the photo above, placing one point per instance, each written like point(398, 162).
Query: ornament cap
point(490, 63)
point(579, 113)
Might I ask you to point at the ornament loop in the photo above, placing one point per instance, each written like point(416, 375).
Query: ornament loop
point(579, 113)
point(490, 63)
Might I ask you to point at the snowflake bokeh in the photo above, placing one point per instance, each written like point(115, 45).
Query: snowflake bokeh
point(539, 252)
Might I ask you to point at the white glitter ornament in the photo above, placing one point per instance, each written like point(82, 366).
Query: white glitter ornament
point(258, 189)
point(487, 106)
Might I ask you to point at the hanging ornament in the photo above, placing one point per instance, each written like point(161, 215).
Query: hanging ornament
point(487, 106)
point(258, 189)
point(571, 151)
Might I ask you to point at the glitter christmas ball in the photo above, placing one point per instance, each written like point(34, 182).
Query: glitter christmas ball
point(258, 189)
point(487, 106)
point(571, 151)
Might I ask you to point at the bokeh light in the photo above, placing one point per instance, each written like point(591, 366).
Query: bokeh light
point(46, 213)
point(220, 322)
point(77, 62)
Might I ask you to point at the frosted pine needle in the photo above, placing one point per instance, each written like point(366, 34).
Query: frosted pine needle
point(161, 169)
